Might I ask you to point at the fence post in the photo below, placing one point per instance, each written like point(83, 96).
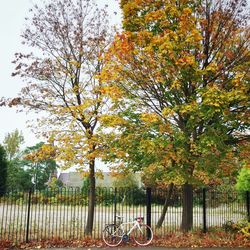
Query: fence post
point(248, 206)
point(28, 217)
point(115, 203)
point(148, 203)
point(204, 210)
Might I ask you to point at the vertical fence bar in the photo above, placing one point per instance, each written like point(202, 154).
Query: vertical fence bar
point(2, 200)
point(115, 205)
point(28, 216)
point(13, 214)
point(248, 206)
point(17, 221)
point(148, 203)
point(7, 215)
point(204, 210)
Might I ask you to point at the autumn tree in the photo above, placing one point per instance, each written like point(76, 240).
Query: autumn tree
point(12, 144)
point(180, 70)
point(67, 38)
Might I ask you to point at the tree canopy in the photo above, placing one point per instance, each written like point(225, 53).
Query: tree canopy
point(179, 78)
point(183, 68)
point(12, 144)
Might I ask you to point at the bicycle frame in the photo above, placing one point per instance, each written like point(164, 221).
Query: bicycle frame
point(135, 225)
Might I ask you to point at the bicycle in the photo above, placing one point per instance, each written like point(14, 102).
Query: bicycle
point(114, 234)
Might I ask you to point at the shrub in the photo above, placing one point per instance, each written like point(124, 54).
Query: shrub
point(242, 227)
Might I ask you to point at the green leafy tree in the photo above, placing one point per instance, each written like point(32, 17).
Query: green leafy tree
point(17, 177)
point(38, 165)
point(12, 143)
point(26, 168)
point(85, 183)
point(3, 171)
point(243, 180)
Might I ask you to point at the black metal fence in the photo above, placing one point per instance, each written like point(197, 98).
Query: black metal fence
point(62, 213)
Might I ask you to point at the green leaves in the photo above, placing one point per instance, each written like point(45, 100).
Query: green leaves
point(243, 180)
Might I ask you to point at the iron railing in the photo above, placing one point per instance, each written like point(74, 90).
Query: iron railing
point(61, 213)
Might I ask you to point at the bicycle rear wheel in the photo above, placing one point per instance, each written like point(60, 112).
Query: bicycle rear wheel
point(112, 235)
point(143, 235)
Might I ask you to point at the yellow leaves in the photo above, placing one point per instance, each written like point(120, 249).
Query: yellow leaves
point(112, 120)
point(173, 11)
point(75, 63)
point(176, 84)
point(85, 174)
point(213, 98)
point(155, 15)
point(130, 8)
point(165, 46)
point(194, 149)
point(212, 67)
point(196, 35)
point(76, 89)
point(149, 118)
point(186, 60)
point(92, 155)
point(67, 154)
point(144, 37)
point(167, 112)
point(76, 147)
point(165, 128)
point(187, 12)
point(189, 107)
point(218, 98)
point(186, 20)
point(238, 79)
point(45, 152)
point(123, 43)
point(113, 91)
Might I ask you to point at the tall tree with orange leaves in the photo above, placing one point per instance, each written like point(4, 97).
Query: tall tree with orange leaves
point(179, 78)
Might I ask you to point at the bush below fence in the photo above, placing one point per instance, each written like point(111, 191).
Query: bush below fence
point(62, 212)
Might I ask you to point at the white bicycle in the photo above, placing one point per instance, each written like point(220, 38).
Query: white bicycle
point(114, 234)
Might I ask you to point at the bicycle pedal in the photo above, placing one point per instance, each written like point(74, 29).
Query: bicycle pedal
point(125, 238)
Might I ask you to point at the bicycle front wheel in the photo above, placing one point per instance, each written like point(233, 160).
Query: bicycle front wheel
point(112, 235)
point(143, 235)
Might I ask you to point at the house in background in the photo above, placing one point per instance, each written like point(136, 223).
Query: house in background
point(75, 179)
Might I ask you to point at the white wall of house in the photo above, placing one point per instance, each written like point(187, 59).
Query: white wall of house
point(75, 179)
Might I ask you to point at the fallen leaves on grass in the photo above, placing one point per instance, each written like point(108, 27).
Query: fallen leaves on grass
point(194, 240)
point(177, 240)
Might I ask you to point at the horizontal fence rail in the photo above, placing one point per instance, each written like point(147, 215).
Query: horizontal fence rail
point(61, 213)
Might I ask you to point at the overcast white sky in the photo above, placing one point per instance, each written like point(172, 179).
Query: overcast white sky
point(12, 14)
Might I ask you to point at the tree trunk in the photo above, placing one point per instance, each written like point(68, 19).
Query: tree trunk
point(187, 212)
point(166, 204)
point(91, 199)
